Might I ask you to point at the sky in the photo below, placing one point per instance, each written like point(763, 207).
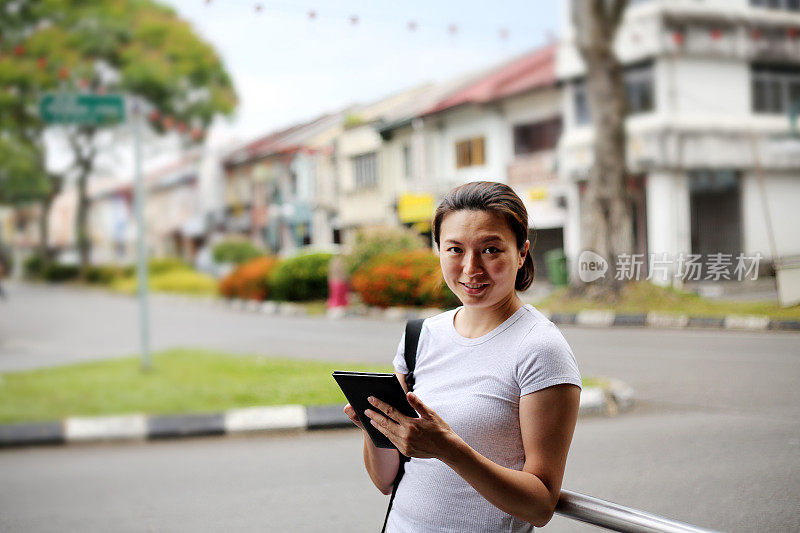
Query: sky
point(289, 66)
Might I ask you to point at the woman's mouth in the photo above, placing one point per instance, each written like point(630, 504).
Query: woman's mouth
point(474, 288)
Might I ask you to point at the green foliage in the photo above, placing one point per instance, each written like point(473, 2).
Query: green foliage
point(373, 242)
point(182, 281)
point(158, 266)
point(22, 176)
point(403, 278)
point(32, 266)
point(56, 272)
point(104, 274)
point(235, 251)
point(301, 278)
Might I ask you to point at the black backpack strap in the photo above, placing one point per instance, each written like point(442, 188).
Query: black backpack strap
point(413, 331)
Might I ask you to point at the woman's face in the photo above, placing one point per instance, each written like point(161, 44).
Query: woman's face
point(479, 257)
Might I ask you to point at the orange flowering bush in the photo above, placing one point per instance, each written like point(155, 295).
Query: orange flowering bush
point(249, 280)
point(409, 278)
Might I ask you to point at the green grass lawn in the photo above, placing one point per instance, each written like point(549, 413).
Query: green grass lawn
point(643, 297)
point(181, 381)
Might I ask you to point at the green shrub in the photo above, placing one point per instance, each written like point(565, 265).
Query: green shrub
point(301, 278)
point(56, 272)
point(403, 278)
point(176, 281)
point(235, 251)
point(373, 242)
point(32, 266)
point(184, 282)
point(104, 274)
point(158, 266)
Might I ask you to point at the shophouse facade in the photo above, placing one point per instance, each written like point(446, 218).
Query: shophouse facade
point(710, 84)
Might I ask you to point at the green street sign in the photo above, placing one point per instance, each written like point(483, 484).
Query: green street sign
point(73, 108)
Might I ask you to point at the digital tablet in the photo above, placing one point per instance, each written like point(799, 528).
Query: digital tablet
point(358, 386)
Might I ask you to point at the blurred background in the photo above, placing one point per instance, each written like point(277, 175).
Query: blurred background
point(288, 158)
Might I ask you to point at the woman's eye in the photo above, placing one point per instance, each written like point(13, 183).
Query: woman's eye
point(454, 249)
point(491, 250)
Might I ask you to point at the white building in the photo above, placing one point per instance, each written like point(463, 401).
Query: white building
point(710, 84)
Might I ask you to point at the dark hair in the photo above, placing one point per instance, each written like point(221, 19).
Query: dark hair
point(496, 198)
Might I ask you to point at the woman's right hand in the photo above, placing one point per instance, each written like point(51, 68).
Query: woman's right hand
point(351, 414)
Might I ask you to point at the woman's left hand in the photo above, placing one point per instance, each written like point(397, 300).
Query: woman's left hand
point(425, 437)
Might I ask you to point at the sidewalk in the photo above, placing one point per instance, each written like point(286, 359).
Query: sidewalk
point(608, 401)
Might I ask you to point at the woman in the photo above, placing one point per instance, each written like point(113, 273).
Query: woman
point(497, 387)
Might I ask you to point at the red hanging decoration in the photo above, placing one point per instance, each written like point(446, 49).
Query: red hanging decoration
point(153, 115)
point(677, 38)
point(41, 62)
point(716, 34)
point(19, 50)
point(167, 123)
point(63, 73)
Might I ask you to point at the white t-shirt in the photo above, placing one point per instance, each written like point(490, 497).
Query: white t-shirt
point(475, 386)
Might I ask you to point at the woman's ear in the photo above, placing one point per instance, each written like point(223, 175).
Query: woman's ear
point(523, 253)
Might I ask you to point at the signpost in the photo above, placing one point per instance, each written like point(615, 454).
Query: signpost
point(83, 109)
point(105, 110)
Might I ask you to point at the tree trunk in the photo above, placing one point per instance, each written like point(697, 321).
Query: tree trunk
point(607, 218)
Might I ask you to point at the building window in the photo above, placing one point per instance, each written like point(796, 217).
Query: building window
point(365, 169)
point(538, 136)
point(775, 88)
point(470, 152)
point(582, 113)
point(639, 83)
point(406, 161)
point(639, 89)
point(787, 5)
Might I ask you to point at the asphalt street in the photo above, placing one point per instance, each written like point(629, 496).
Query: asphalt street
point(714, 439)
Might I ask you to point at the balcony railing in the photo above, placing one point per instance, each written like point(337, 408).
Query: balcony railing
point(617, 517)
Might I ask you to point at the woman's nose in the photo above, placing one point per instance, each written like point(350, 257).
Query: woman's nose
point(472, 264)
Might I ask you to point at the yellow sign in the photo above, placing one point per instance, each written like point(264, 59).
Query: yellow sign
point(537, 194)
point(415, 208)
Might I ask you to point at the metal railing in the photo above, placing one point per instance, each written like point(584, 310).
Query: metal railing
point(617, 517)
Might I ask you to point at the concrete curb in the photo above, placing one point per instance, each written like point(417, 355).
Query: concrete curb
point(608, 401)
point(588, 318)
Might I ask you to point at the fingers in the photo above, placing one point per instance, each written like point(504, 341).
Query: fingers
point(390, 411)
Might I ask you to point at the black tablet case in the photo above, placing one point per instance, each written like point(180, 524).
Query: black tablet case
point(358, 386)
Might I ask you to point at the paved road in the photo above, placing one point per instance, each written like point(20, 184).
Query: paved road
point(714, 440)
point(727, 471)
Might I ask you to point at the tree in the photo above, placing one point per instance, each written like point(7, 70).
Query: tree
point(607, 220)
point(137, 47)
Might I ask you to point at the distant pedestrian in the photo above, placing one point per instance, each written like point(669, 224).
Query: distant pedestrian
point(495, 384)
point(337, 286)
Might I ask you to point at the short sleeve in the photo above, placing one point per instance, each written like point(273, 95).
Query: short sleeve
point(545, 359)
point(399, 361)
